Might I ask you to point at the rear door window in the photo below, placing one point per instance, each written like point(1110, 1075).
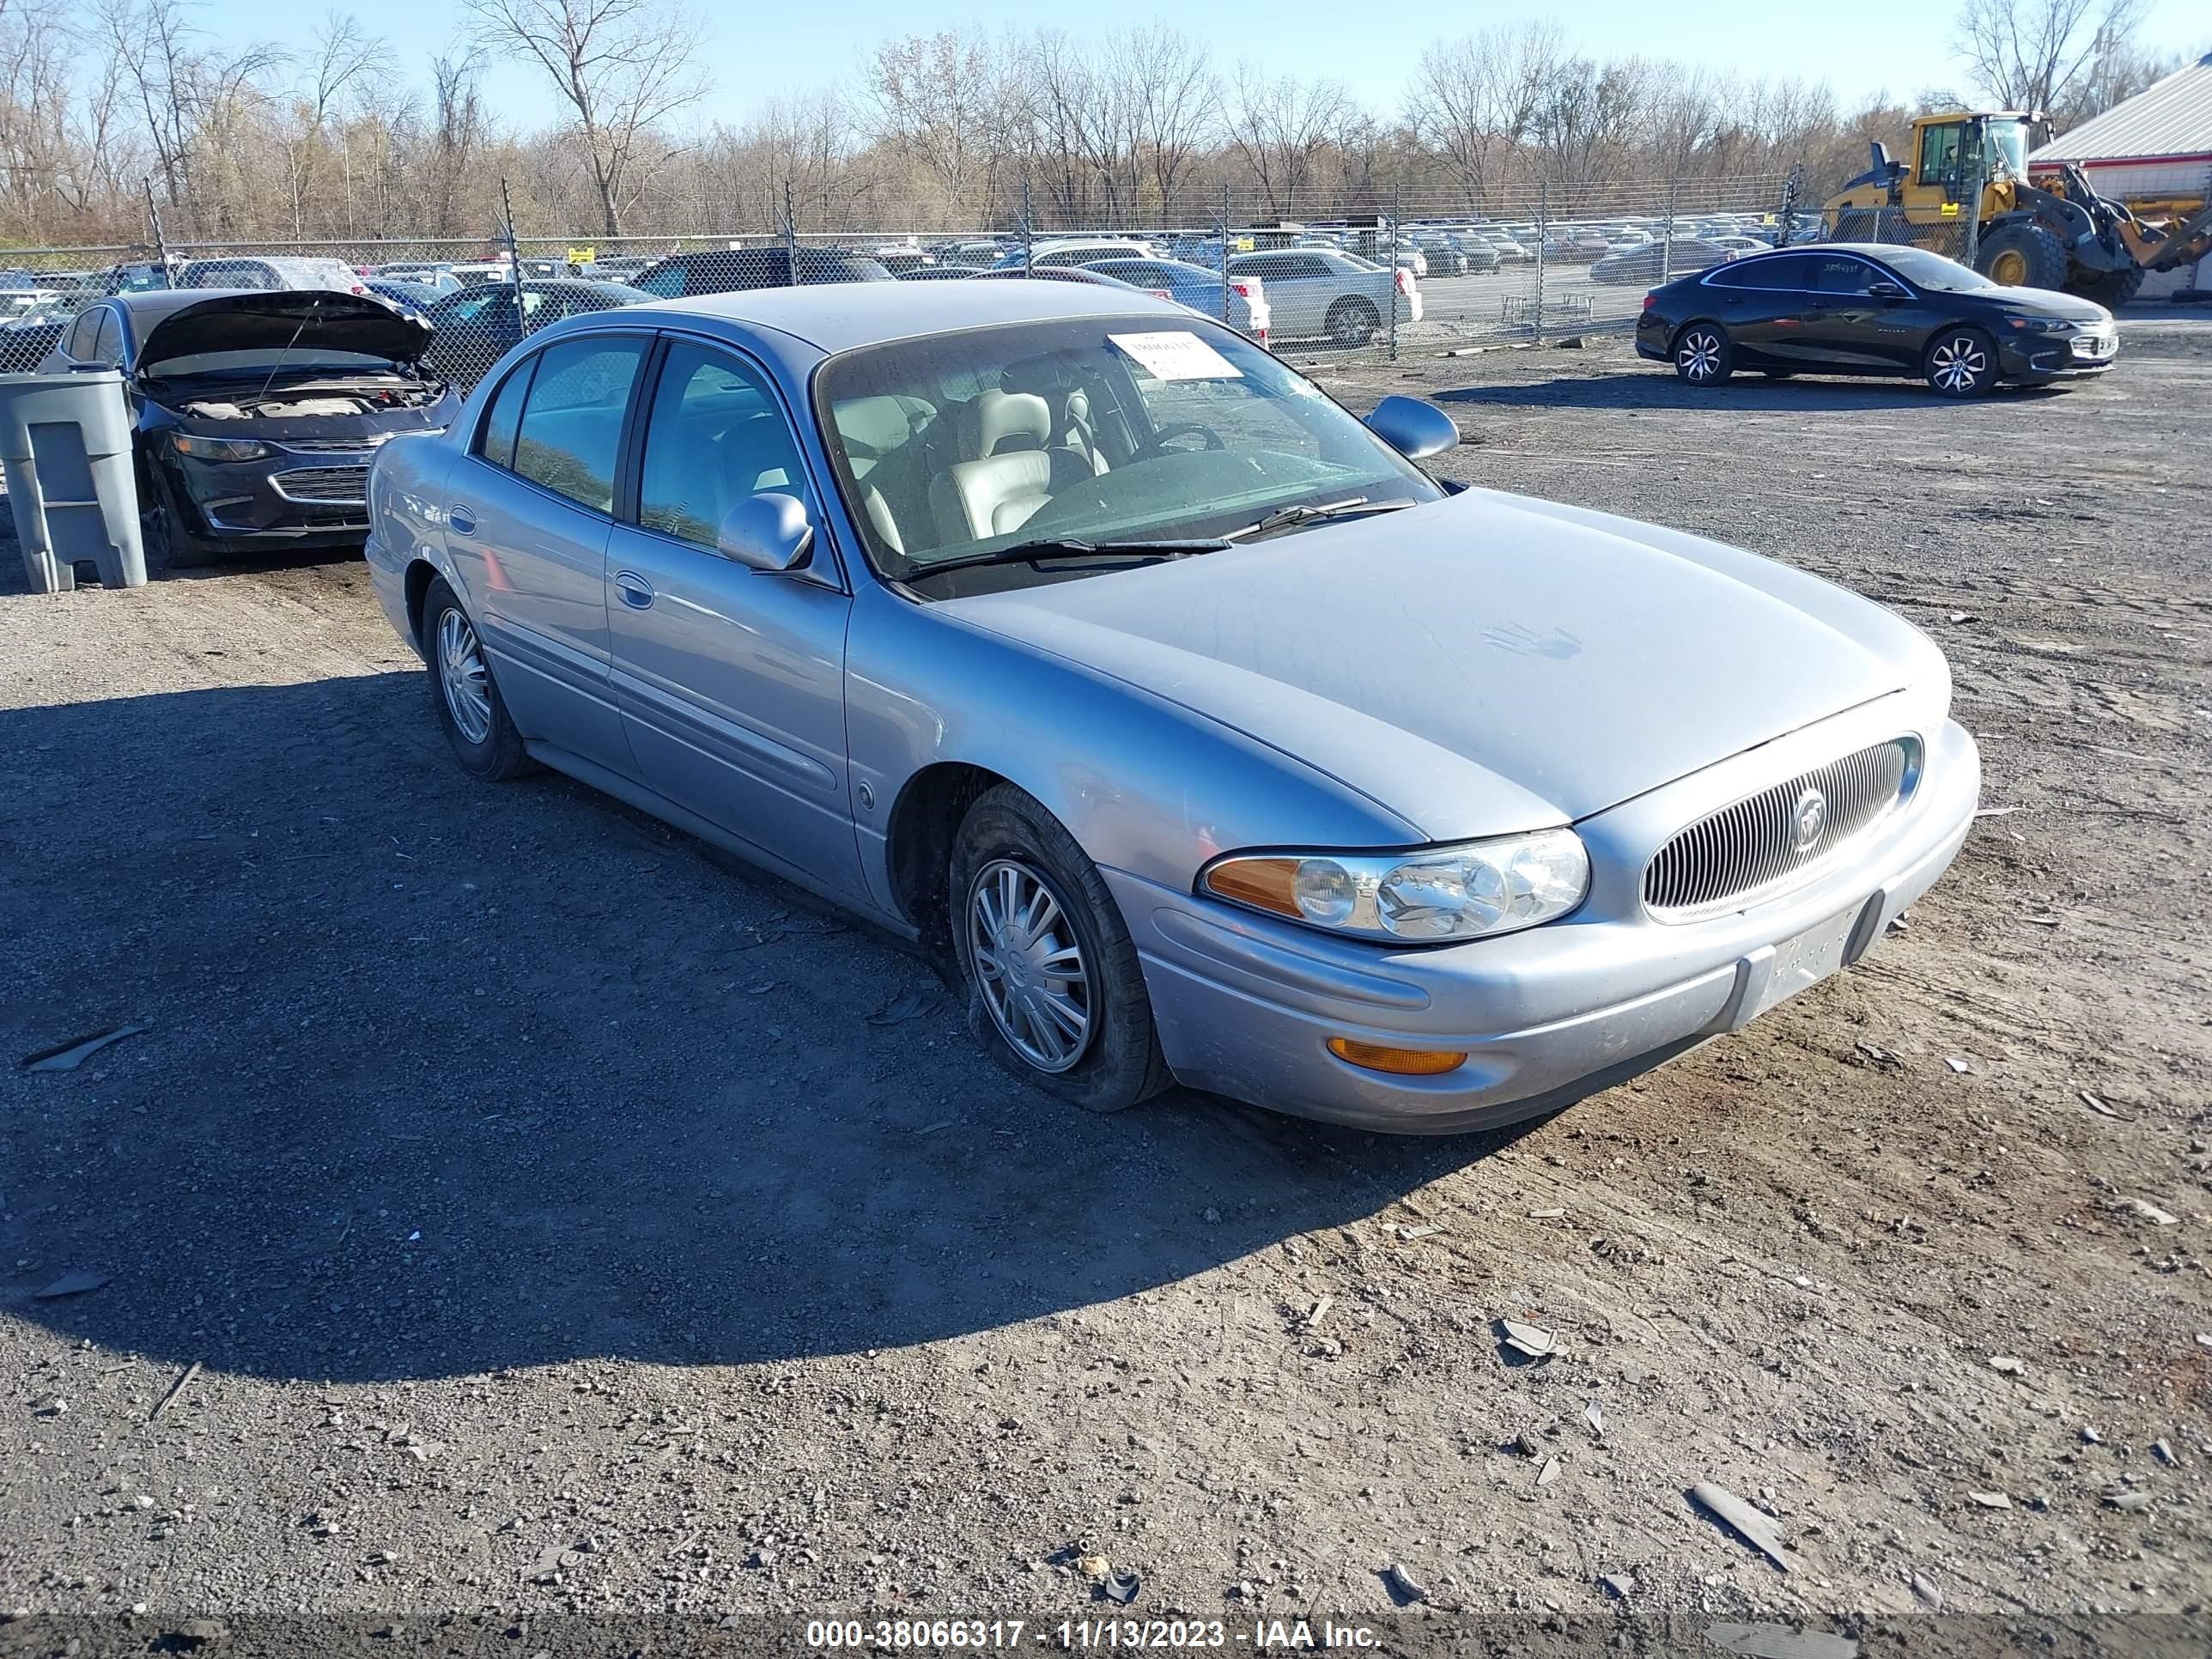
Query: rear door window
point(82, 332)
point(1836, 273)
point(107, 344)
point(572, 418)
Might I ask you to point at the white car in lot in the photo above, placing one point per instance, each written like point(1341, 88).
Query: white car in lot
point(1322, 294)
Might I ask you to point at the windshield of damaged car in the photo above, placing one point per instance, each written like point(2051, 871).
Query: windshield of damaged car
point(1103, 430)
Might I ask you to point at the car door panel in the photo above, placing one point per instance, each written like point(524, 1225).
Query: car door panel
point(730, 680)
point(1763, 304)
point(534, 559)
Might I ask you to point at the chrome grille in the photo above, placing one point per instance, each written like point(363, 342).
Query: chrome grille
point(330, 446)
point(1760, 842)
point(323, 486)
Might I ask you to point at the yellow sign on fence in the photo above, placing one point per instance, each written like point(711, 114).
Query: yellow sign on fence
point(1950, 209)
point(1243, 244)
point(582, 256)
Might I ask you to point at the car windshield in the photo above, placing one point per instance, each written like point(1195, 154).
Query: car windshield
point(1104, 430)
point(1932, 270)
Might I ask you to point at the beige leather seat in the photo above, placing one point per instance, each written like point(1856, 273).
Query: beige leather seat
point(1011, 476)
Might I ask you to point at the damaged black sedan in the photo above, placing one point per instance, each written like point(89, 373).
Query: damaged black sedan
point(256, 413)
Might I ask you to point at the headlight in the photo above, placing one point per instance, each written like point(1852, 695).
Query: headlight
point(221, 449)
point(2043, 325)
point(1437, 894)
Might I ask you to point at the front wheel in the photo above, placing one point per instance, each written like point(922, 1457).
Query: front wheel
point(1960, 363)
point(1055, 993)
point(1703, 355)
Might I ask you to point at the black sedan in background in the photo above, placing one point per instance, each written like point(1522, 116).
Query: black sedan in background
point(476, 326)
point(1869, 308)
point(255, 412)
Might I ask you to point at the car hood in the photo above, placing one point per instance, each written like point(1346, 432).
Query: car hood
point(1485, 663)
point(311, 318)
point(2048, 302)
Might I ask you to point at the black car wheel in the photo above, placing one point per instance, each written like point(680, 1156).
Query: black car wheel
point(1960, 363)
point(168, 547)
point(1703, 355)
point(1055, 993)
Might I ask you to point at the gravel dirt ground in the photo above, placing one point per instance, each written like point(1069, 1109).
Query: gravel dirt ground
point(541, 1212)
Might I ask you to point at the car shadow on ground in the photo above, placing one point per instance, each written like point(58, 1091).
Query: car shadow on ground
point(1748, 390)
point(443, 1077)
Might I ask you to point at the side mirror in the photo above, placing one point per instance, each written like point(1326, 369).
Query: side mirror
point(1414, 427)
point(1881, 290)
point(768, 532)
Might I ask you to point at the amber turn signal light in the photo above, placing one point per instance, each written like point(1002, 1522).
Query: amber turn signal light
point(1404, 1062)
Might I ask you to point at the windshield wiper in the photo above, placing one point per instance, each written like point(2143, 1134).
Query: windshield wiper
point(1065, 547)
point(1310, 512)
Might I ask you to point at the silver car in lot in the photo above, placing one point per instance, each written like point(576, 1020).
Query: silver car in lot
point(1182, 716)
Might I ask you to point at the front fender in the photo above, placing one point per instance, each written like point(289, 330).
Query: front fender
point(1143, 784)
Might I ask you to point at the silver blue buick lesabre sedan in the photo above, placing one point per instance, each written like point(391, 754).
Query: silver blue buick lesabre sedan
point(1082, 641)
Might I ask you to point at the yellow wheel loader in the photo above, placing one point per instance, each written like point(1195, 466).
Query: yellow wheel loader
point(1966, 192)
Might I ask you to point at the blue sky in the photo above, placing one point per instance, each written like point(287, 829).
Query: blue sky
point(1900, 45)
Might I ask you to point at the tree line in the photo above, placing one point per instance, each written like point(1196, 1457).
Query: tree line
point(129, 106)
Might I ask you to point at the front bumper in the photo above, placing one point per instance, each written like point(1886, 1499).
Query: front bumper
point(291, 498)
point(1245, 1005)
point(2040, 359)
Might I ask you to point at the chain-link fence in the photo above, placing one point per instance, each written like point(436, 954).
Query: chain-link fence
point(1317, 276)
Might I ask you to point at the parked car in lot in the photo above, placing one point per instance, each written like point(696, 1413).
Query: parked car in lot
point(1078, 638)
point(727, 270)
point(1873, 309)
point(619, 268)
point(1322, 294)
point(483, 272)
point(274, 273)
point(1646, 262)
point(1071, 251)
point(1574, 247)
point(938, 273)
point(476, 326)
point(1199, 289)
point(434, 275)
point(256, 413)
point(415, 296)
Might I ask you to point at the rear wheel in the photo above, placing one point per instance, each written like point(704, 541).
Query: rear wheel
point(2022, 256)
point(1703, 355)
point(469, 705)
point(1352, 322)
point(1055, 993)
point(1961, 362)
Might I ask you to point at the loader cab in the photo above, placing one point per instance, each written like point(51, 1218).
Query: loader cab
point(1951, 151)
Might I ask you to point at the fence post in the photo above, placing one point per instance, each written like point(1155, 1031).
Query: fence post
point(1543, 235)
point(514, 261)
point(1397, 206)
point(1028, 229)
point(790, 234)
point(154, 226)
point(1666, 248)
point(1224, 254)
point(1973, 207)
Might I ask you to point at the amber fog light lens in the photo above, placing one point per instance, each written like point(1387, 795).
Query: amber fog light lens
point(1404, 1062)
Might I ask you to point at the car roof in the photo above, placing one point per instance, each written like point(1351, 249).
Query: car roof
point(840, 316)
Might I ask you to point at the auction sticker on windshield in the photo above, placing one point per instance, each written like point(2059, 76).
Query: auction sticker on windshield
point(1177, 355)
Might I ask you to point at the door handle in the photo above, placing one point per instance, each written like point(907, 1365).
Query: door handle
point(636, 592)
point(462, 519)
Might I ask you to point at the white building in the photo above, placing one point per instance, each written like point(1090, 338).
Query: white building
point(2155, 148)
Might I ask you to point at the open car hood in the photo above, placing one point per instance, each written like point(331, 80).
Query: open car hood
point(316, 319)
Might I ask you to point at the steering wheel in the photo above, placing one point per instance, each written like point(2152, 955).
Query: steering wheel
point(1164, 435)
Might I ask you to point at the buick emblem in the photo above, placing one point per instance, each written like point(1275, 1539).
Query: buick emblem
point(1807, 819)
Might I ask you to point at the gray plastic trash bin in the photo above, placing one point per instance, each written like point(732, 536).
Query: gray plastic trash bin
point(65, 442)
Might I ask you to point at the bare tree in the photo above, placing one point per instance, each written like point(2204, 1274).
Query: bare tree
point(2043, 54)
point(1476, 99)
point(943, 102)
point(623, 66)
point(1174, 103)
point(1279, 129)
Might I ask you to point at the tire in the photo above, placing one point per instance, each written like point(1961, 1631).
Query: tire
point(1011, 849)
point(2022, 256)
point(1961, 362)
point(1352, 322)
point(482, 734)
point(166, 547)
point(1703, 356)
point(2111, 288)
